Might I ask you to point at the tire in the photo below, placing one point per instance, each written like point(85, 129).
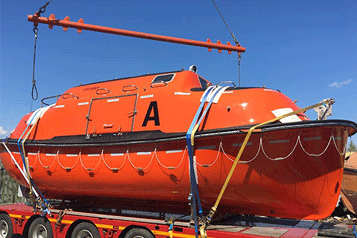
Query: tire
point(40, 228)
point(139, 233)
point(85, 230)
point(6, 229)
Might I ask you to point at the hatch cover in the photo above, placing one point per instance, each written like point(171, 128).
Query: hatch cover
point(111, 115)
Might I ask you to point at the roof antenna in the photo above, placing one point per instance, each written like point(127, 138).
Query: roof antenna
point(234, 38)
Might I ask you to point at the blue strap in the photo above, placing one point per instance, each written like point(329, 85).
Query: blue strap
point(20, 138)
point(215, 93)
point(20, 149)
point(38, 190)
point(203, 98)
point(354, 230)
point(194, 187)
point(44, 206)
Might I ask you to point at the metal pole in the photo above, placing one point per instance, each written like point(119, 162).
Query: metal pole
point(66, 23)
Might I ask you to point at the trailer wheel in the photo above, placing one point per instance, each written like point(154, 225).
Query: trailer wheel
point(138, 233)
point(6, 230)
point(40, 228)
point(85, 230)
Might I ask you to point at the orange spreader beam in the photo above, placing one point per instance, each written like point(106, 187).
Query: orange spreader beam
point(80, 25)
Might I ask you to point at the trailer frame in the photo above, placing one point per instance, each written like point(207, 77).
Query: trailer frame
point(64, 222)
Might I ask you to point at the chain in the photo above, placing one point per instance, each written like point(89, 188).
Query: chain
point(34, 91)
point(234, 38)
point(239, 60)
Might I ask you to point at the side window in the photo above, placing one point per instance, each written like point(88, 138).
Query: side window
point(204, 83)
point(163, 78)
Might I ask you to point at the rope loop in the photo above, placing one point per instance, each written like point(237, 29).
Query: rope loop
point(34, 91)
point(113, 169)
point(171, 167)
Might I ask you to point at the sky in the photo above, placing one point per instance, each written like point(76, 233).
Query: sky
point(307, 49)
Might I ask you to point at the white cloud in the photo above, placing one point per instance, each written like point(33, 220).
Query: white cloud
point(340, 84)
point(3, 133)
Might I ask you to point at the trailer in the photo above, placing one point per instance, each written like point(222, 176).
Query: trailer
point(20, 220)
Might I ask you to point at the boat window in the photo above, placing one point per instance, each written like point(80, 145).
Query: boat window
point(163, 78)
point(204, 83)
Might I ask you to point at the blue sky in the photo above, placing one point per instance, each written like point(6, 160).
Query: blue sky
point(307, 49)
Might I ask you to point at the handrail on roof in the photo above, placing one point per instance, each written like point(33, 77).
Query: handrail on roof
point(64, 96)
point(47, 98)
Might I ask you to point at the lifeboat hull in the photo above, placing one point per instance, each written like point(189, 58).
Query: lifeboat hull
point(124, 140)
point(273, 178)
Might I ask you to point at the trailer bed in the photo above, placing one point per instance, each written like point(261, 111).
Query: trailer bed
point(116, 226)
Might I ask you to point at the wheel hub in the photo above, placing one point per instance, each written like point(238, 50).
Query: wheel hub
point(4, 229)
point(84, 234)
point(40, 231)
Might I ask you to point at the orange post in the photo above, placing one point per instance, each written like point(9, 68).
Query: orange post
point(80, 25)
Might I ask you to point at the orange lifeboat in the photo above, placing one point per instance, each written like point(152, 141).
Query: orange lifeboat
point(124, 140)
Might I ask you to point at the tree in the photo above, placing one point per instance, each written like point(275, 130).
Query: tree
point(8, 189)
point(351, 147)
